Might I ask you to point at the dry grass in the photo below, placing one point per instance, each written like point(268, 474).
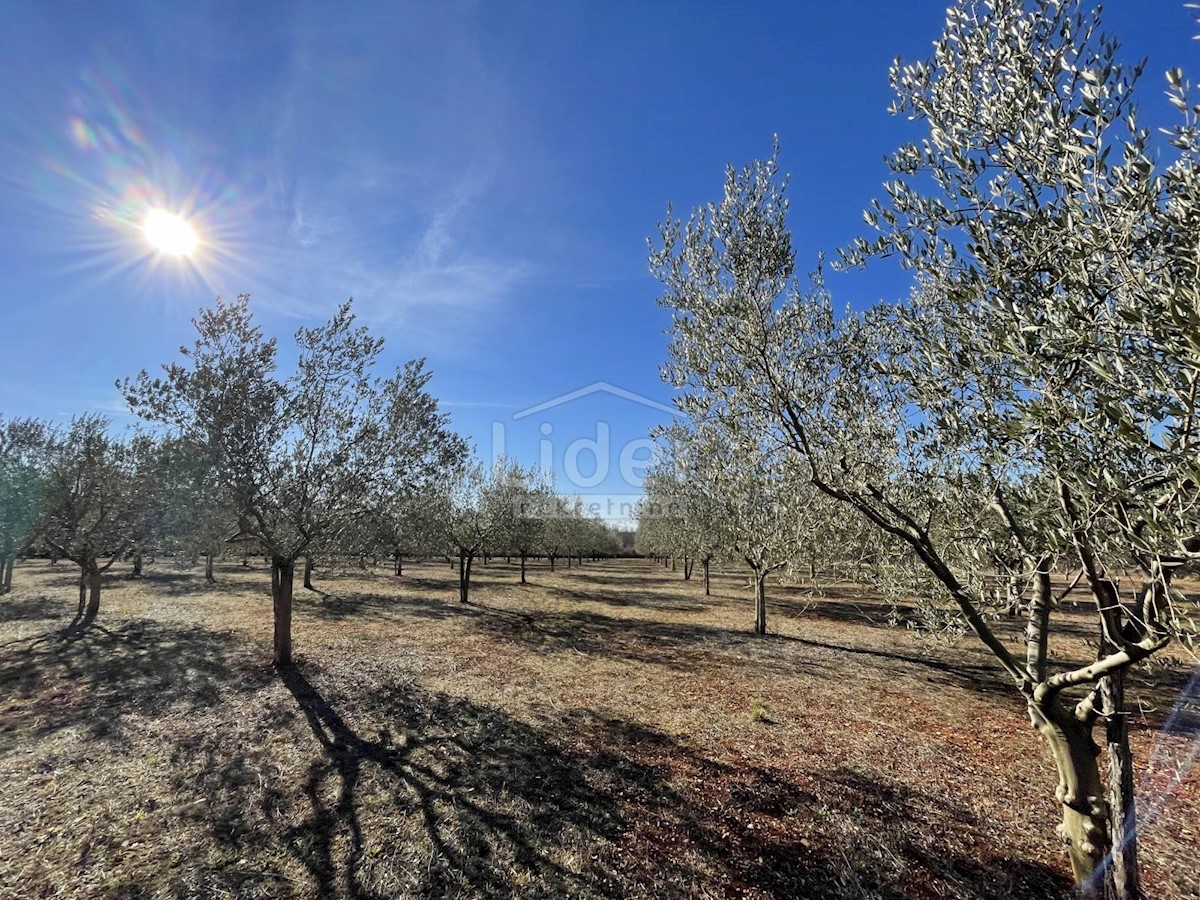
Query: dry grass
point(605, 731)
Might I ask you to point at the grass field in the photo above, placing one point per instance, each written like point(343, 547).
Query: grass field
point(604, 731)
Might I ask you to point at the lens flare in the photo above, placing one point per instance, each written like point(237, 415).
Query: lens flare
point(169, 234)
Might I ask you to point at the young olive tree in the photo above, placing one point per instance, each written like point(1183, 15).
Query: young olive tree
point(558, 536)
point(763, 499)
point(94, 507)
point(519, 500)
point(22, 443)
point(691, 515)
point(299, 458)
point(195, 516)
point(467, 521)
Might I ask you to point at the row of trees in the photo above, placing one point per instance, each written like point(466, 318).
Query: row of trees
point(717, 494)
point(331, 461)
point(1032, 405)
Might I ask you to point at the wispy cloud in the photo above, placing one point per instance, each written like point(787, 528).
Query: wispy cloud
point(408, 228)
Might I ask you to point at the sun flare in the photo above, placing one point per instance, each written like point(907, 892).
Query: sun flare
point(169, 233)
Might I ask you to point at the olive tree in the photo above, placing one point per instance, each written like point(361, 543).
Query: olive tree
point(762, 497)
point(94, 508)
point(195, 517)
point(684, 507)
point(299, 458)
point(519, 501)
point(22, 442)
point(558, 536)
point(1034, 396)
point(467, 521)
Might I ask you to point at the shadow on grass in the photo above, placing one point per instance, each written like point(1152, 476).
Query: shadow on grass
point(457, 767)
point(347, 783)
point(413, 793)
point(96, 677)
point(25, 608)
point(676, 645)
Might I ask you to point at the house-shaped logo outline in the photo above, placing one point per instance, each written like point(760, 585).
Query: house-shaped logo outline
point(595, 387)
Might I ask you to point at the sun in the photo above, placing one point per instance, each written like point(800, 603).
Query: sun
point(169, 234)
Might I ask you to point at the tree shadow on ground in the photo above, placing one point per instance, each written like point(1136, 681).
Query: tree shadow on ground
point(985, 677)
point(401, 791)
point(677, 645)
point(25, 608)
point(179, 584)
point(97, 677)
point(608, 594)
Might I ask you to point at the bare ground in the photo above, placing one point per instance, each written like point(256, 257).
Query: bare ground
point(606, 731)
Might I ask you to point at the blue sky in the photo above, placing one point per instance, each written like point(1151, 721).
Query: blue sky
point(480, 177)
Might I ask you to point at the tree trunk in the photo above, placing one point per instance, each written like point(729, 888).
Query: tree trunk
point(672, 564)
point(760, 603)
point(399, 570)
point(137, 565)
point(5, 575)
point(208, 568)
point(8, 572)
point(1084, 828)
point(707, 590)
point(464, 577)
point(551, 562)
point(93, 600)
point(523, 568)
point(688, 562)
point(308, 570)
point(283, 572)
point(1123, 860)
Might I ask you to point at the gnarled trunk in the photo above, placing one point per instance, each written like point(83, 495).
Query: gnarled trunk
point(760, 603)
point(707, 586)
point(523, 568)
point(688, 562)
point(551, 562)
point(1085, 826)
point(5, 574)
point(208, 568)
point(399, 569)
point(308, 570)
point(137, 565)
point(283, 572)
